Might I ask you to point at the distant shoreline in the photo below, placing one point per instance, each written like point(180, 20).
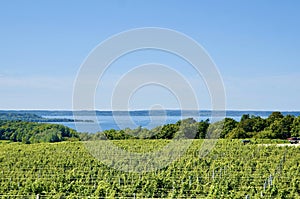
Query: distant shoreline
point(177, 112)
point(31, 117)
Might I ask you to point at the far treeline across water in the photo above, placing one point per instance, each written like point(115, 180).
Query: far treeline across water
point(276, 126)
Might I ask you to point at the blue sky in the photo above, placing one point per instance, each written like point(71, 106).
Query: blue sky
point(255, 45)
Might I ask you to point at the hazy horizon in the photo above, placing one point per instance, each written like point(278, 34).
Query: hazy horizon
point(237, 110)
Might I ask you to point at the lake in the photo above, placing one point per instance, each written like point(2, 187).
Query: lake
point(147, 119)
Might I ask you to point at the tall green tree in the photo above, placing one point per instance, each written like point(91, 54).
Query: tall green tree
point(276, 115)
point(228, 125)
point(202, 129)
point(281, 128)
point(237, 133)
point(295, 129)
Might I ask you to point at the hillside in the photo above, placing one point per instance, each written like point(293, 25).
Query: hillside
point(231, 170)
point(34, 132)
point(31, 117)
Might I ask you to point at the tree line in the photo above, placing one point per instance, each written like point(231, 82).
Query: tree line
point(276, 126)
point(34, 132)
point(30, 117)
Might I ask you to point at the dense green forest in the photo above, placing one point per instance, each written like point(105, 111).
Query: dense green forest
point(276, 126)
point(33, 132)
point(230, 170)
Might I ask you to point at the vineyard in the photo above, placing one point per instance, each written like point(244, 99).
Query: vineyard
point(230, 170)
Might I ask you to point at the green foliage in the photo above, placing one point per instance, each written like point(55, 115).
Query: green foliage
point(237, 133)
point(265, 134)
point(276, 126)
point(19, 116)
point(116, 135)
point(230, 170)
point(33, 132)
point(276, 115)
point(252, 123)
point(295, 129)
point(229, 125)
point(202, 129)
point(281, 128)
point(31, 117)
point(167, 131)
